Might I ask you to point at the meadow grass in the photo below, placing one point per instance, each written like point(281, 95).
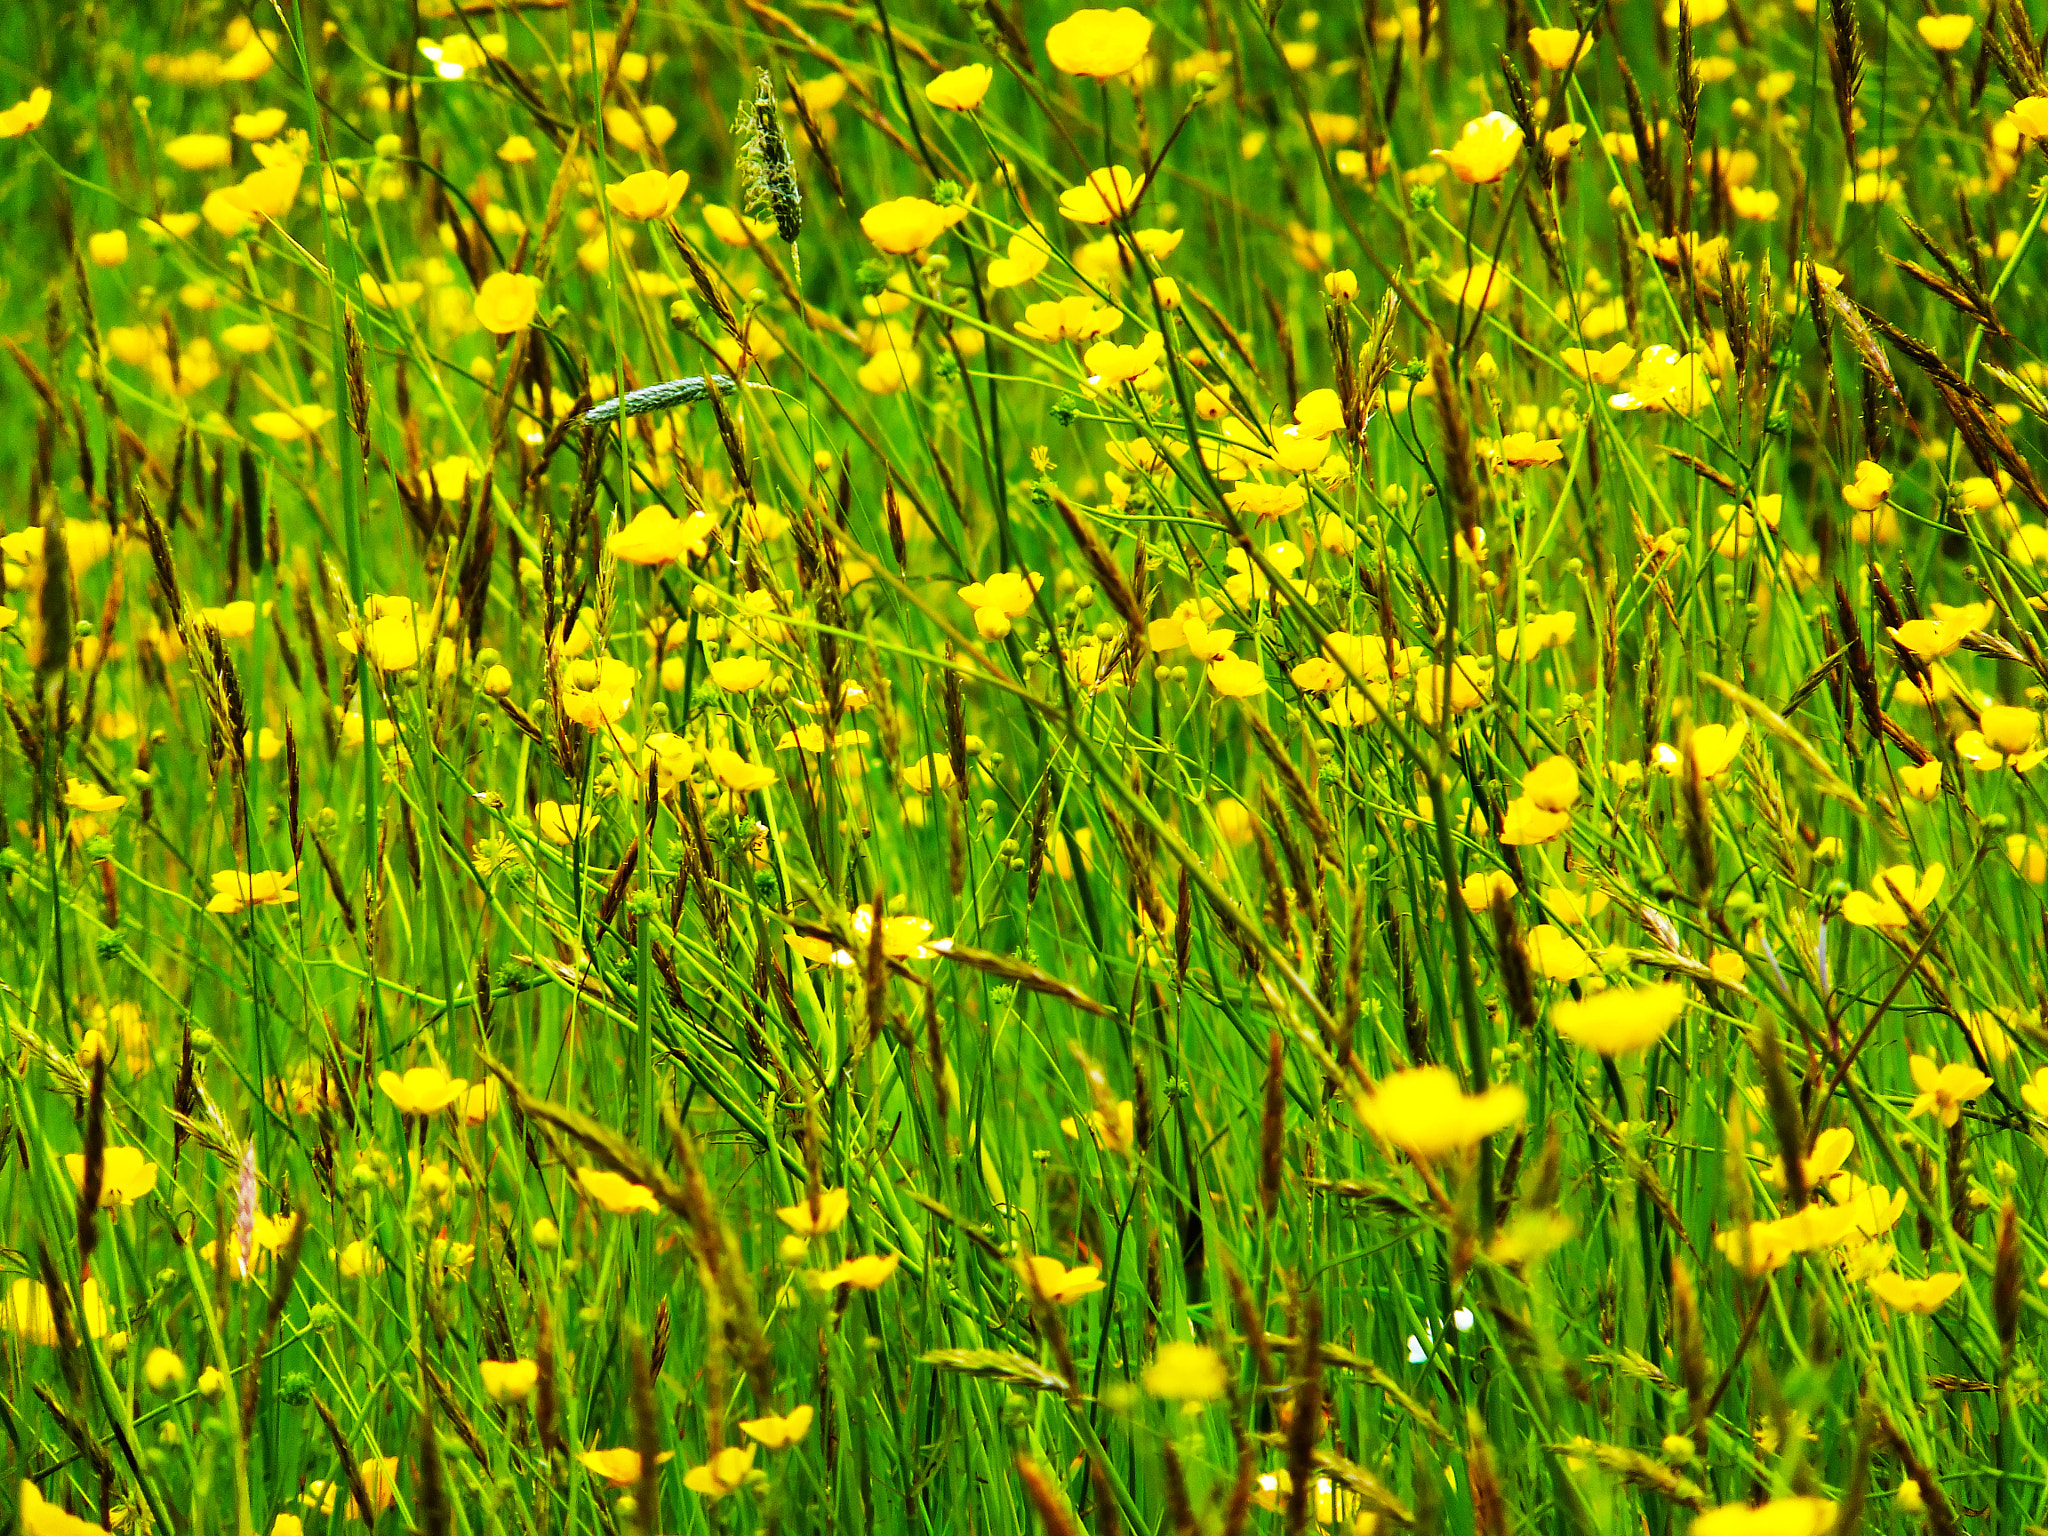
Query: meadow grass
point(948, 768)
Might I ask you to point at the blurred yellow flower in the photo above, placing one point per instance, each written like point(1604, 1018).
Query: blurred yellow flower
point(84, 795)
point(722, 1474)
point(29, 1317)
point(389, 295)
point(199, 151)
point(258, 125)
point(1599, 367)
point(1620, 1019)
point(1873, 483)
point(246, 339)
point(1914, 1296)
point(827, 1218)
point(508, 1381)
point(615, 1192)
point(1425, 1113)
point(867, 1272)
point(1556, 956)
point(736, 773)
point(39, 1517)
point(507, 302)
point(25, 116)
point(235, 891)
point(422, 1090)
point(290, 425)
point(1075, 318)
point(1780, 1517)
point(776, 1432)
point(1187, 1373)
point(1714, 748)
point(619, 1466)
point(740, 674)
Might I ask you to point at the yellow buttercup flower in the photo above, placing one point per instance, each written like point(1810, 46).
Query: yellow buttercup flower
point(777, 1432)
point(1525, 450)
point(619, 1466)
point(1945, 34)
point(199, 151)
point(1915, 1296)
point(1425, 1113)
point(1945, 1090)
point(1187, 1373)
point(27, 1313)
point(867, 1272)
point(1075, 318)
point(1894, 892)
point(558, 823)
point(1485, 149)
point(826, 1218)
point(422, 1090)
point(1558, 47)
point(1763, 1247)
point(999, 600)
point(1482, 286)
point(615, 1192)
point(290, 425)
point(1620, 1019)
point(1108, 193)
point(1237, 677)
point(1714, 748)
point(235, 891)
point(84, 795)
point(656, 536)
point(596, 694)
point(508, 1381)
point(960, 90)
point(908, 224)
point(1482, 888)
point(1099, 45)
point(1057, 1283)
point(506, 302)
point(1599, 367)
point(736, 773)
point(1028, 255)
point(740, 674)
point(1556, 956)
point(647, 195)
point(2030, 116)
point(39, 1517)
point(724, 1473)
point(1780, 1517)
point(126, 1175)
point(1932, 639)
point(25, 116)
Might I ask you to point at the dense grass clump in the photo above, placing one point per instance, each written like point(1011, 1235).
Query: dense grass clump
point(962, 769)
